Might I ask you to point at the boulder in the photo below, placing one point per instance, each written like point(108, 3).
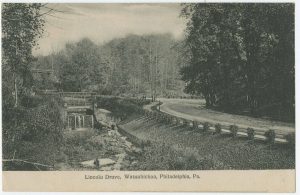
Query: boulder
point(102, 162)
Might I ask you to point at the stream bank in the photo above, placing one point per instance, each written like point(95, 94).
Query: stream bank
point(83, 146)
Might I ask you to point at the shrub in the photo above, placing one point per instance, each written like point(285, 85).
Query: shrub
point(233, 130)
point(270, 135)
point(205, 126)
point(163, 157)
point(218, 128)
point(34, 134)
point(122, 107)
point(31, 102)
point(78, 138)
point(290, 138)
point(250, 133)
point(97, 142)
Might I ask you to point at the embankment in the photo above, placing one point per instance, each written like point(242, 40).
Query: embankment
point(219, 151)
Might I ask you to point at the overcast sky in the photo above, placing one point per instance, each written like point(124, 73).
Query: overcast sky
point(103, 22)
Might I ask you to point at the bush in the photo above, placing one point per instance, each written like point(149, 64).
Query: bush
point(205, 126)
point(270, 135)
point(31, 102)
point(78, 138)
point(233, 130)
point(35, 134)
point(162, 157)
point(250, 133)
point(218, 128)
point(122, 107)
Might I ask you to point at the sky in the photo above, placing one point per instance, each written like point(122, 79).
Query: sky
point(104, 22)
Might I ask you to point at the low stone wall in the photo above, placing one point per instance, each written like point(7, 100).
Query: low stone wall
point(270, 136)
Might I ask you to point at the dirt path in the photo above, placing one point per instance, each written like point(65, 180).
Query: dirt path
point(195, 110)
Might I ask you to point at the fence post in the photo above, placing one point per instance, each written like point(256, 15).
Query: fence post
point(218, 128)
point(195, 125)
point(205, 126)
point(174, 121)
point(185, 123)
point(233, 130)
point(270, 135)
point(177, 121)
point(92, 121)
point(250, 133)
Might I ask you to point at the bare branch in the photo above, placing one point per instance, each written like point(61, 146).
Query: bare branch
point(45, 13)
point(56, 10)
point(24, 161)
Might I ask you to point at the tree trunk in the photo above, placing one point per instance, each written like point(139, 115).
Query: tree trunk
point(207, 101)
point(16, 91)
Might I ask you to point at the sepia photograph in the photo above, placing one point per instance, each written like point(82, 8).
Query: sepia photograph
point(148, 87)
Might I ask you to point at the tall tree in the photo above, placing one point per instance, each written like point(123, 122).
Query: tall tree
point(242, 56)
point(22, 24)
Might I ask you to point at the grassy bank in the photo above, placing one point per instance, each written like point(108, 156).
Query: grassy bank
point(84, 145)
point(191, 149)
point(159, 156)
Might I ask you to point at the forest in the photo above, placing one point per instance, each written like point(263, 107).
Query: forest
point(239, 57)
point(242, 57)
point(133, 65)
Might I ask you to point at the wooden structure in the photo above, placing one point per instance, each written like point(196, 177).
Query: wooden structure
point(79, 107)
point(79, 121)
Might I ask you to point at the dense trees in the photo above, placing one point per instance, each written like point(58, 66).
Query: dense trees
point(82, 67)
point(242, 56)
point(145, 64)
point(21, 26)
point(31, 126)
point(132, 65)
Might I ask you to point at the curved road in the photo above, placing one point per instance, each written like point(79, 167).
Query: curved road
point(192, 109)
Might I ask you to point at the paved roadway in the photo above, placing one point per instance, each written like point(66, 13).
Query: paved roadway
point(192, 109)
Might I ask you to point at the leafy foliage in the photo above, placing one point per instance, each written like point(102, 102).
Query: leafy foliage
point(133, 65)
point(22, 24)
point(34, 134)
point(242, 57)
point(121, 107)
point(32, 126)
